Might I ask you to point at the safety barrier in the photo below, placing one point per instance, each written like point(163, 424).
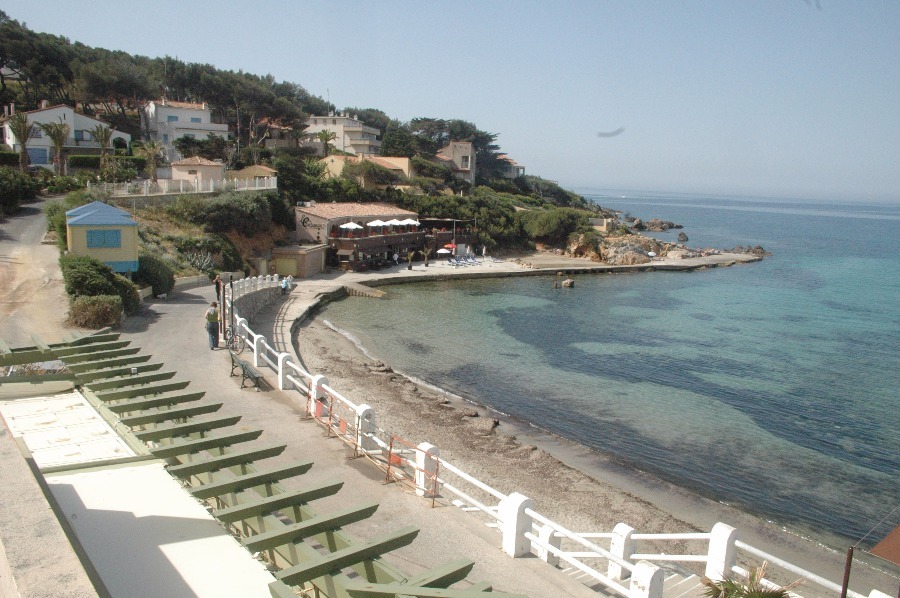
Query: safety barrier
point(618, 565)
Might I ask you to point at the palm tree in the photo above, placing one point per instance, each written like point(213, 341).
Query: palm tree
point(22, 129)
point(326, 137)
point(103, 135)
point(755, 587)
point(152, 152)
point(58, 134)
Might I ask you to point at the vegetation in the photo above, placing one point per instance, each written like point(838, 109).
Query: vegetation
point(95, 312)
point(755, 587)
point(15, 189)
point(89, 277)
point(155, 273)
point(21, 129)
point(58, 134)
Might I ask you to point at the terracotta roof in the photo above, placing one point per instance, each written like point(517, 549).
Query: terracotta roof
point(343, 210)
point(196, 161)
point(384, 163)
point(174, 104)
point(5, 118)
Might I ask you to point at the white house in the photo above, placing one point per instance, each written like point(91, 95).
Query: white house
point(459, 156)
point(352, 136)
point(167, 120)
point(509, 168)
point(40, 147)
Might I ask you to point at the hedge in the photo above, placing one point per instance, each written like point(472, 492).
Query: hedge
point(15, 188)
point(93, 161)
point(156, 273)
point(9, 158)
point(89, 277)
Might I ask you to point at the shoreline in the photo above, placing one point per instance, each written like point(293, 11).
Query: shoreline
point(570, 483)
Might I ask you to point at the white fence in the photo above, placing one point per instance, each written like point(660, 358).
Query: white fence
point(176, 187)
point(619, 564)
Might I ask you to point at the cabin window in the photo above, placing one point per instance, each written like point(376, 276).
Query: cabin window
point(108, 239)
point(172, 118)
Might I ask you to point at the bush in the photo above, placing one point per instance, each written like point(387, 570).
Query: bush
point(9, 159)
point(155, 273)
point(64, 184)
point(241, 211)
point(96, 312)
point(89, 277)
point(15, 188)
point(84, 161)
point(127, 290)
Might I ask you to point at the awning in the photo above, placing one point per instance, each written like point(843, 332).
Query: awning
point(345, 252)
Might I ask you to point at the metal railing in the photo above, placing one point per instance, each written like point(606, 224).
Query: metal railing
point(181, 186)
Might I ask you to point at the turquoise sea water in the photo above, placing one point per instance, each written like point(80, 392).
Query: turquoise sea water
point(771, 386)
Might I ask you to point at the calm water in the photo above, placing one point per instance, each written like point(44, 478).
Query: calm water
point(771, 386)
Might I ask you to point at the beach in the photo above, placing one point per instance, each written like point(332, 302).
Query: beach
point(581, 489)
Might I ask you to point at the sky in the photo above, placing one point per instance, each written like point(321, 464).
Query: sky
point(770, 98)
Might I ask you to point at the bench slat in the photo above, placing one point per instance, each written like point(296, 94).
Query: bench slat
point(274, 503)
point(310, 527)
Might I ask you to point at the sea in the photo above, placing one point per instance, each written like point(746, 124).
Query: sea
point(773, 387)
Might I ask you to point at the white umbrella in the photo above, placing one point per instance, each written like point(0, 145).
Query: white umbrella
point(444, 251)
point(393, 222)
point(651, 254)
point(376, 223)
point(350, 225)
point(410, 221)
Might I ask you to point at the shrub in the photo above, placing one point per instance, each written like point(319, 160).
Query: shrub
point(245, 212)
point(96, 312)
point(155, 273)
point(15, 188)
point(84, 161)
point(187, 208)
point(9, 159)
point(64, 184)
point(89, 277)
point(127, 290)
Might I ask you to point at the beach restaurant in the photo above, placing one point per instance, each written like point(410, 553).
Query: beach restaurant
point(359, 236)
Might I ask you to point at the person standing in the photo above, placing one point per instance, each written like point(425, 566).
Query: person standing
point(212, 325)
point(219, 284)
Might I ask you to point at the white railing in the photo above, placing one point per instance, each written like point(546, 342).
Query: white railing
point(523, 530)
point(181, 186)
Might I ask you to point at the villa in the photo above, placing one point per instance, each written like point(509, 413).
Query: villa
point(40, 147)
point(352, 136)
point(167, 120)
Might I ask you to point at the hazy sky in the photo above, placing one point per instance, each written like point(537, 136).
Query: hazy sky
point(770, 98)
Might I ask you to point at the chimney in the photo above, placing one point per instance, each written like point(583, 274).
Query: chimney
point(44, 104)
point(5, 111)
point(204, 106)
point(12, 108)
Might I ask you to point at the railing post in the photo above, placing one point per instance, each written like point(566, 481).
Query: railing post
point(315, 393)
point(283, 360)
point(722, 552)
point(426, 469)
point(514, 523)
point(365, 425)
point(257, 349)
point(646, 581)
point(622, 546)
point(548, 535)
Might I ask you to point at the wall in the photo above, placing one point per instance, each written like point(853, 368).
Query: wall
point(128, 252)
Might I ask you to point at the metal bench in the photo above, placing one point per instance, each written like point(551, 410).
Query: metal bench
point(235, 363)
point(248, 372)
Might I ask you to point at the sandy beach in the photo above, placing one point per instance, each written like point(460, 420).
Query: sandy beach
point(579, 488)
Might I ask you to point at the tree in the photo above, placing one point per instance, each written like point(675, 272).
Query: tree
point(326, 137)
point(58, 134)
point(22, 129)
point(152, 152)
point(103, 135)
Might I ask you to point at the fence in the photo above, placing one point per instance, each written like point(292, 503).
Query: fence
point(623, 564)
point(178, 187)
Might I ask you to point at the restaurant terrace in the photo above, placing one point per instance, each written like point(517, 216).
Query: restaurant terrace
point(362, 236)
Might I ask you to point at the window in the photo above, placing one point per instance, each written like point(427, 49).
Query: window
point(36, 132)
point(172, 118)
point(165, 139)
point(79, 135)
point(334, 121)
point(110, 239)
point(465, 161)
point(195, 119)
point(192, 172)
